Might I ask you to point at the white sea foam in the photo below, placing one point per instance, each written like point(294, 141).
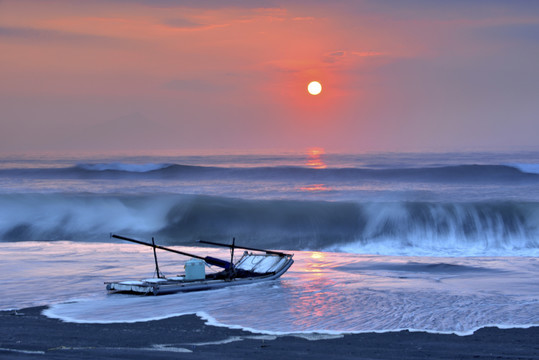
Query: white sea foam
point(166, 347)
point(23, 351)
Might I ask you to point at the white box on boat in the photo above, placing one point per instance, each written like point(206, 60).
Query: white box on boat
point(195, 269)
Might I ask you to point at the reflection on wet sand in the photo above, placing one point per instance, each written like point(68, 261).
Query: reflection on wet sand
point(320, 298)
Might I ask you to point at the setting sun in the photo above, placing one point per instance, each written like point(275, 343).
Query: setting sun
point(314, 88)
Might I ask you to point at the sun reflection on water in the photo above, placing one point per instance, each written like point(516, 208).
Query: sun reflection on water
point(314, 158)
point(315, 187)
point(315, 161)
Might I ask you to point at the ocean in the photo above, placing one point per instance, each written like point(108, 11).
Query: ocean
point(439, 242)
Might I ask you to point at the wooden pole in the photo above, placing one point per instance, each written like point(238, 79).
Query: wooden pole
point(210, 260)
point(155, 257)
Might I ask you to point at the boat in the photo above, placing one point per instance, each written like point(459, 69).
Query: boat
point(255, 265)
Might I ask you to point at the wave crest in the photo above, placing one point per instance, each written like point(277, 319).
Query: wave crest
point(136, 168)
point(527, 168)
point(444, 174)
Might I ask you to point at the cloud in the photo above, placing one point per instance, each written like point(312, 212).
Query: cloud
point(198, 4)
point(47, 35)
point(337, 56)
point(188, 25)
point(303, 18)
point(182, 23)
point(521, 32)
point(439, 9)
point(192, 85)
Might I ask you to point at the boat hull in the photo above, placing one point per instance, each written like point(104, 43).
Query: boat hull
point(175, 285)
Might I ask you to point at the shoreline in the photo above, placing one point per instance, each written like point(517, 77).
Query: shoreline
point(27, 334)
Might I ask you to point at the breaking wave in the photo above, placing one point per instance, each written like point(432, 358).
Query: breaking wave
point(527, 168)
point(392, 228)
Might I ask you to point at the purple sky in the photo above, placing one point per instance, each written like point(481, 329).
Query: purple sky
point(211, 75)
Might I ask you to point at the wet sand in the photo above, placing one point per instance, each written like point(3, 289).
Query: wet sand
point(26, 334)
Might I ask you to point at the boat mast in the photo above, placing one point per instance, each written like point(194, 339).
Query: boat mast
point(232, 251)
point(155, 257)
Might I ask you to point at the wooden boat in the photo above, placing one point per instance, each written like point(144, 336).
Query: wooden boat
point(254, 266)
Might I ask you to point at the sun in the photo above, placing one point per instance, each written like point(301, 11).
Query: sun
point(314, 88)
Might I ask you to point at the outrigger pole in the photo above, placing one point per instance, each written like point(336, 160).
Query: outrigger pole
point(243, 247)
point(208, 259)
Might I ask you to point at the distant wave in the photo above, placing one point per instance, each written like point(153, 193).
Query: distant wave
point(458, 173)
point(413, 228)
point(136, 168)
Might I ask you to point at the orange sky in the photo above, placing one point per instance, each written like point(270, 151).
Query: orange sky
point(397, 75)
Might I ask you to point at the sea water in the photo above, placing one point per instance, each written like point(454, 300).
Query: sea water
point(381, 242)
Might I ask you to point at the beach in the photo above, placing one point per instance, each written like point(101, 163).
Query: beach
point(423, 256)
point(27, 334)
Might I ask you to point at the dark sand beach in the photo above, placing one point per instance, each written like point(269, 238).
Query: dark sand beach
point(26, 334)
